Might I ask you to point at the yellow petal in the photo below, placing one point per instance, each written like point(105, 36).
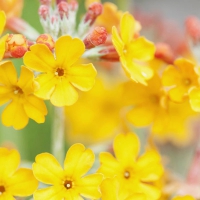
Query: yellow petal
point(68, 50)
point(5, 94)
point(186, 197)
point(3, 21)
point(50, 193)
point(150, 191)
point(64, 94)
point(47, 84)
point(8, 74)
point(82, 76)
point(9, 162)
point(7, 196)
point(141, 49)
point(137, 197)
point(88, 186)
point(142, 115)
point(40, 58)
point(3, 46)
point(22, 183)
point(35, 108)
point(126, 147)
point(14, 115)
point(194, 97)
point(117, 42)
point(177, 94)
point(78, 160)
point(127, 27)
point(47, 169)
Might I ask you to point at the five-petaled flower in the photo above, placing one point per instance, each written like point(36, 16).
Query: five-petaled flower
point(60, 75)
point(67, 183)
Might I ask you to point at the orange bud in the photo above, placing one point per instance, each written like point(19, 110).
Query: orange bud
point(97, 37)
point(47, 40)
point(16, 45)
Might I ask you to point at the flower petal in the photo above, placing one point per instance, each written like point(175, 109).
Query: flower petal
point(126, 148)
point(68, 50)
point(117, 42)
point(88, 186)
point(3, 21)
point(3, 46)
point(64, 94)
point(14, 115)
point(82, 76)
point(47, 169)
point(78, 160)
point(5, 94)
point(7, 196)
point(8, 74)
point(40, 58)
point(50, 193)
point(35, 108)
point(194, 97)
point(22, 183)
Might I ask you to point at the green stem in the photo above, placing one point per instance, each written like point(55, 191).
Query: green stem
point(122, 5)
point(58, 134)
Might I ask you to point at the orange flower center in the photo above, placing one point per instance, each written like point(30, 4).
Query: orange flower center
point(59, 72)
point(68, 184)
point(2, 189)
point(18, 90)
point(127, 174)
point(187, 82)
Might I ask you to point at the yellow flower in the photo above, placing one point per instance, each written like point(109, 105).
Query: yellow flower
point(88, 2)
point(19, 92)
point(4, 38)
point(68, 183)
point(135, 174)
point(182, 77)
point(61, 75)
point(99, 114)
point(110, 191)
point(134, 52)
point(13, 181)
point(187, 197)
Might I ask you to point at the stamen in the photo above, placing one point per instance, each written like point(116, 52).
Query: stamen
point(59, 72)
point(126, 174)
point(18, 90)
point(2, 189)
point(68, 184)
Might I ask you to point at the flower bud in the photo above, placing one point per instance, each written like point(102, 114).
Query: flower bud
point(45, 2)
point(47, 40)
point(109, 54)
point(16, 45)
point(43, 11)
point(63, 9)
point(97, 37)
point(73, 5)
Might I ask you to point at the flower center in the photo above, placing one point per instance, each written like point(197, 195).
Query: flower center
point(68, 184)
point(18, 90)
point(127, 174)
point(187, 82)
point(2, 189)
point(59, 72)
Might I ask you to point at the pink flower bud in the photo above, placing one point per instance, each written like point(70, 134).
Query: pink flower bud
point(63, 9)
point(43, 11)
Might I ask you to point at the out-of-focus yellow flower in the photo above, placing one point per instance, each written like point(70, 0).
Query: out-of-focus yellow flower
point(182, 77)
point(88, 2)
point(194, 98)
point(68, 183)
point(61, 75)
point(134, 51)
point(110, 191)
point(99, 115)
point(110, 17)
point(135, 174)
point(12, 8)
point(187, 197)
point(23, 104)
point(13, 181)
point(4, 38)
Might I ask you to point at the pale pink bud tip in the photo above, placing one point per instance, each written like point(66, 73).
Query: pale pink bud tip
point(97, 37)
point(45, 2)
point(63, 9)
point(94, 10)
point(43, 11)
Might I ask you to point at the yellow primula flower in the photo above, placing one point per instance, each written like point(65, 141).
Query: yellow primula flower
point(67, 183)
point(13, 181)
point(134, 52)
point(135, 174)
point(110, 190)
point(187, 197)
point(4, 38)
point(60, 75)
point(182, 77)
point(19, 93)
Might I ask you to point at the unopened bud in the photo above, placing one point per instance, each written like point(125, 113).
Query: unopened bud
point(94, 10)
point(16, 45)
point(192, 25)
point(109, 54)
point(73, 5)
point(47, 40)
point(63, 9)
point(43, 11)
point(97, 37)
point(164, 52)
point(59, 1)
point(45, 2)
